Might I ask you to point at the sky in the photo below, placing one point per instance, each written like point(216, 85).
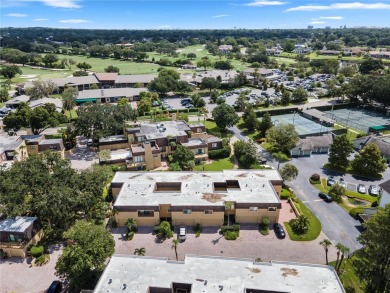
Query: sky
point(190, 14)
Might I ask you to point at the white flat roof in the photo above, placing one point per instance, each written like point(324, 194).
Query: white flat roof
point(215, 274)
point(196, 188)
point(18, 224)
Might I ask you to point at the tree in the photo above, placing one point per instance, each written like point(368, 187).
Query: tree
point(10, 71)
point(175, 244)
point(111, 68)
point(223, 65)
point(336, 192)
point(348, 70)
point(184, 157)
point(83, 66)
point(140, 251)
point(191, 56)
point(250, 121)
point(164, 230)
point(49, 59)
point(224, 116)
point(289, 46)
point(197, 101)
point(373, 260)
point(283, 136)
point(241, 102)
point(370, 65)
point(210, 83)
point(205, 62)
point(104, 156)
point(167, 80)
point(300, 95)
point(339, 152)
point(265, 124)
point(325, 244)
point(68, 96)
point(84, 258)
point(41, 89)
point(289, 172)
point(286, 98)
point(300, 225)
point(4, 95)
point(246, 153)
point(369, 161)
point(228, 206)
point(344, 250)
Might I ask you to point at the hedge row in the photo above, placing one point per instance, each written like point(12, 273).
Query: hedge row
point(220, 154)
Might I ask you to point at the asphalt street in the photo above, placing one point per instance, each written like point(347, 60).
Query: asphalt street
point(337, 224)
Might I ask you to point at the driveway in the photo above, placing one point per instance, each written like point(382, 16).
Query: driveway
point(82, 157)
point(17, 275)
point(250, 244)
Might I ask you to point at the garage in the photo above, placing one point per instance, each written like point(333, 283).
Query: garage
point(211, 222)
point(147, 222)
point(247, 219)
point(184, 222)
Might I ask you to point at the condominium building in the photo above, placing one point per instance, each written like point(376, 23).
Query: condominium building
point(150, 143)
point(190, 198)
point(196, 274)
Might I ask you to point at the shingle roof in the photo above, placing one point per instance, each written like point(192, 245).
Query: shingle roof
point(106, 76)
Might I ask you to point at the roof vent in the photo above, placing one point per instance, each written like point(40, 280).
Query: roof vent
point(109, 281)
point(124, 287)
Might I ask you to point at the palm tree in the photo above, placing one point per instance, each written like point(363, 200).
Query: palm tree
point(344, 250)
point(339, 247)
point(175, 243)
point(303, 223)
point(325, 244)
point(228, 207)
point(140, 251)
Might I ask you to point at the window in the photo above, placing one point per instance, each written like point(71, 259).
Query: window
point(141, 138)
point(253, 209)
point(200, 151)
point(14, 238)
point(272, 209)
point(199, 130)
point(139, 159)
point(144, 213)
point(53, 147)
point(32, 147)
point(155, 156)
point(169, 210)
point(214, 145)
point(186, 211)
point(208, 212)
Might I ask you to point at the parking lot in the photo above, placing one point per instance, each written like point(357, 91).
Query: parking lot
point(250, 244)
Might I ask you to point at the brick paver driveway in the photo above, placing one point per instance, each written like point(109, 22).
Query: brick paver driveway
point(17, 275)
point(250, 244)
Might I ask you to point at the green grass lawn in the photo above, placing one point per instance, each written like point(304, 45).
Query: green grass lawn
point(314, 227)
point(71, 114)
point(218, 165)
point(29, 73)
point(213, 129)
point(282, 60)
point(348, 276)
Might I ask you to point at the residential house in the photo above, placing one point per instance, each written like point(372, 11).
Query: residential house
point(329, 52)
point(385, 194)
point(352, 52)
point(141, 80)
point(109, 95)
point(37, 144)
point(256, 75)
point(273, 51)
point(225, 48)
point(189, 198)
point(14, 148)
point(312, 145)
point(379, 54)
point(15, 102)
point(106, 79)
point(383, 143)
point(214, 274)
point(189, 66)
point(302, 49)
point(17, 234)
point(196, 80)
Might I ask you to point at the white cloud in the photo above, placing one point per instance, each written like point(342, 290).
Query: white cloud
point(54, 3)
point(165, 26)
point(317, 22)
point(40, 19)
point(221, 15)
point(16, 15)
point(331, 17)
point(74, 21)
point(258, 3)
point(335, 6)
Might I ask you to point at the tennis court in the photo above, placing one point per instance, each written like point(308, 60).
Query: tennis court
point(360, 119)
point(302, 125)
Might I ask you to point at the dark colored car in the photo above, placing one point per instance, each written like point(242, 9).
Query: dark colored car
point(325, 197)
point(55, 287)
point(279, 231)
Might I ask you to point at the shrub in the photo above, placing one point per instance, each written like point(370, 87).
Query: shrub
point(285, 194)
point(130, 235)
point(163, 230)
point(41, 260)
point(3, 254)
point(231, 235)
point(114, 223)
point(315, 177)
point(355, 211)
point(36, 251)
point(198, 230)
point(232, 228)
point(374, 204)
point(131, 225)
point(220, 154)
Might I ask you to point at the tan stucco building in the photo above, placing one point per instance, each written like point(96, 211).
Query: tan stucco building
point(190, 198)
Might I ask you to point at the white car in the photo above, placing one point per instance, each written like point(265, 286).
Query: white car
point(361, 188)
point(182, 233)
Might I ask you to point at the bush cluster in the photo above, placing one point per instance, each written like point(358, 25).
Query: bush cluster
point(220, 154)
point(198, 230)
point(355, 211)
point(36, 251)
point(231, 232)
point(164, 230)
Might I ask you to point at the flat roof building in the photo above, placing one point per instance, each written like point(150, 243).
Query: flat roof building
point(189, 198)
point(214, 274)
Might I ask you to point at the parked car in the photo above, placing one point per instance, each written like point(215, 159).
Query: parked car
point(90, 142)
point(330, 181)
point(182, 233)
point(342, 183)
point(325, 197)
point(361, 188)
point(279, 231)
point(55, 287)
point(373, 190)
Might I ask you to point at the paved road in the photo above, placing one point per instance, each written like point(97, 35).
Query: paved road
point(337, 224)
